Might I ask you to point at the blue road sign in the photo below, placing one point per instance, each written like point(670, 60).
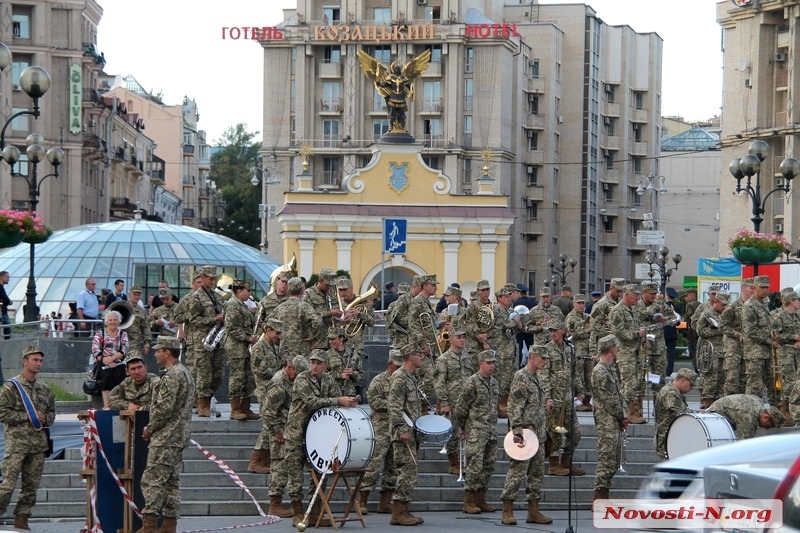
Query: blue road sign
point(394, 231)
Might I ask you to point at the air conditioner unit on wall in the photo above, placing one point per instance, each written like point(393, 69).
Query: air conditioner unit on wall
point(780, 57)
point(748, 83)
point(778, 228)
point(779, 182)
point(422, 2)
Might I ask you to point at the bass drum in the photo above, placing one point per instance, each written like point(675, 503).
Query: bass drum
point(692, 432)
point(356, 444)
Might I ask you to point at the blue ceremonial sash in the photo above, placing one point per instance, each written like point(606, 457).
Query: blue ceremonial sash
point(29, 408)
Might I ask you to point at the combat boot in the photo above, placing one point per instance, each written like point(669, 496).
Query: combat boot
point(362, 501)
point(297, 512)
point(534, 516)
point(168, 525)
point(555, 468)
point(502, 406)
point(418, 519)
point(385, 503)
point(480, 501)
point(149, 524)
point(21, 522)
point(634, 416)
point(203, 407)
point(508, 513)
point(259, 462)
point(236, 409)
point(277, 508)
point(401, 516)
point(245, 407)
point(454, 463)
point(470, 506)
point(576, 470)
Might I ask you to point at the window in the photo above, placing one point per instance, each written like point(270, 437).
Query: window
point(533, 140)
point(558, 105)
point(379, 127)
point(469, 59)
point(468, 94)
point(608, 192)
point(293, 129)
point(382, 15)
point(331, 92)
point(609, 159)
point(330, 132)
point(331, 175)
point(609, 124)
point(333, 54)
point(532, 173)
point(558, 72)
point(637, 164)
point(22, 164)
point(468, 124)
point(383, 54)
point(331, 15)
point(638, 99)
point(436, 53)
point(466, 177)
point(432, 97)
point(608, 224)
point(432, 13)
point(532, 211)
point(637, 133)
point(294, 61)
point(19, 64)
point(433, 161)
point(20, 123)
point(432, 128)
point(610, 93)
point(533, 104)
point(636, 225)
point(378, 101)
point(21, 21)
point(533, 68)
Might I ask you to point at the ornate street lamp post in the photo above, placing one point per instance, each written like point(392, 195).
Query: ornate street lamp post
point(264, 211)
point(559, 269)
point(658, 263)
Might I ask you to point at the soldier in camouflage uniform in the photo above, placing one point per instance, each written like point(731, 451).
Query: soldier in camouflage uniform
point(690, 306)
point(135, 393)
point(182, 317)
point(541, 314)
point(476, 414)
point(577, 330)
point(670, 404)
point(652, 311)
point(277, 399)
point(452, 371)
point(759, 339)
point(423, 332)
point(162, 318)
point(320, 297)
point(300, 322)
point(746, 413)
point(344, 364)
point(555, 380)
point(139, 331)
point(601, 311)
point(712, 294)
point(733, 341)
point(629, 333)
point(397, 313)
point(363, 314)
point(205, 312)
point(404, 409)
point(477, 333)
point(167, 433)
point(794, 403)
point(503, 340)
point(266, 361)
point(312, 390)
point(239, 337)
point(382, 463)
point(277, 295)
point(708, 328)
point(787, 326)
point(526, 410)
point(25, 446)
point(609, 416)
point(452, 295)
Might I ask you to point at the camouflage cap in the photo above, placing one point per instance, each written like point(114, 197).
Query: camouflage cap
point(163, 293)
point(555, 323)
point(275, 324)
point(135, 288)
point(318, 355)
point(539, 349)
point(650, 287)
point(618, 283)
point(411, 348)
point(776, 415)
point(417, 281)
point(748, 282)
point(344, 283)
point(787, 296)
point(713, 288)
point(240, 284)
point(403, 288)
point(429, 280)
point(295, 284)
point(487, 356)
point(336, 332)
point(484, 284)
point(396, 357)
point(578, 298)
point(458, 328)
point(197, 273)
point(688, 373)
point(502, 291)
point(512, 287)
point(167, 343)
point(723, 297)
point(633, 287)
point(607, 342)
point(327, 275)
point(208, 271)
point(473, 295)
point(284, 276)
point(32, 348)
point(760, 281)
point(299, 363)
point(135, 357)
point(452, 291)
point(544, 291)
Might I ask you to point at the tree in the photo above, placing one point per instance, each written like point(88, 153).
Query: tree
point(231, 170)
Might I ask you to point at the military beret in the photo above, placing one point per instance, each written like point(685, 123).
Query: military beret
point(483, 284)
point(135, 288)
point(544, 291)
point(487, 356)
point(318, 355)
point(167, 343)
point(689, 374)
point(452, 291)
point(32, 348)
point(579, 298)
point(723, 297)
point(607, 343)
point(336, 332)
point(618, 283)
point(208, 271)
point(295, 284)
point(760, 281)
point(300, 363)
point(327, 275)
point(539, 349)
point(344, 283)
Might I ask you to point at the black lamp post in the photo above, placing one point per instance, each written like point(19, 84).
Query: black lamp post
point(263, 207)
point(35, 81)
point(658, 263)
point(559, 269)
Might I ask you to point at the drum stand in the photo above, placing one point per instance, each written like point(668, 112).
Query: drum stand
point(325, 496)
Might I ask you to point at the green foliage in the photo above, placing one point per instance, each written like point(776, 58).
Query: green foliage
point(232, 170)
point(65, 396)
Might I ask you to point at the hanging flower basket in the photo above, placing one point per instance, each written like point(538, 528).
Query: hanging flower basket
point(16, 226)
point(748, 255)
point(751, 248)
point(10, 239)
point(37, 237)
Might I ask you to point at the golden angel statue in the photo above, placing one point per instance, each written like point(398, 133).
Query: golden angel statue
point(395, 84)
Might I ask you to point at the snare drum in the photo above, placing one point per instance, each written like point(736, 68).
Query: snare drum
point(691, 432)
point(355, 446)
point(433, 429)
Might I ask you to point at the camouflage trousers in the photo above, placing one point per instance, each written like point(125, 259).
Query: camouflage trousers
point(608, 451)
point(531, 471)
point(426, 379)
point(278, 476)
point(405, 461)
point(570, 422)
point(583, 370)
point(31, 466)
point(658, 365)
point(294, 460)
point(188, 360)
point(714, 379)
point(481, 452)
point(789, 359)
point(161, 485)
point(759, 375)
point(263, 440)
point(241, 382)
point(506, 368)
point(209, 370)
point(382, 464)
point(733, 367)
point(794, 403)
point(630, 373)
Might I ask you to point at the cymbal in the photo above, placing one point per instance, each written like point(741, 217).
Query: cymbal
point(524, 452)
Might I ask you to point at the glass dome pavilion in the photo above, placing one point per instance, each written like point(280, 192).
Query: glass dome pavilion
point(140, 252)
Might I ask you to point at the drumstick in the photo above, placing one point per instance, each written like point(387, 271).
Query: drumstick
point(411, 453)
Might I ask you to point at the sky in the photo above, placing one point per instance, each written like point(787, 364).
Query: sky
point(177, 47)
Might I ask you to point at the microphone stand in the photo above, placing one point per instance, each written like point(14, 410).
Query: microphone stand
point(571, 397)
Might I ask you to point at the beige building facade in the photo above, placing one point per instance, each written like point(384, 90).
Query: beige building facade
point(568, 106)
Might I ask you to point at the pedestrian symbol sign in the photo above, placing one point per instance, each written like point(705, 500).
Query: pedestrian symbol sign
point(394, 235)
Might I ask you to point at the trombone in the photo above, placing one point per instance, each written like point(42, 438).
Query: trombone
point(429, 331)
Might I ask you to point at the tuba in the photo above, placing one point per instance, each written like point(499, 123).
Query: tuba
point(355, 326)
point(291, 266)
point(126, 310)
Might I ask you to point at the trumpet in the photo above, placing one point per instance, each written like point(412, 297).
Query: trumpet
point(623, 448)
point(559, 425)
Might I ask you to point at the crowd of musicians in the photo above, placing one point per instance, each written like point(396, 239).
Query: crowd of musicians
point(495, 357)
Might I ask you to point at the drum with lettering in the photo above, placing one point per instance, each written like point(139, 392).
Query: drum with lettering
point(692, 432)
point(348, 429)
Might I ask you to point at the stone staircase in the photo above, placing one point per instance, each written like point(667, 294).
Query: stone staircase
point(206, 490)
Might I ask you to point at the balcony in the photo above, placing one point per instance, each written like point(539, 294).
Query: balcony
point(640, 116)
point(611, 110)
point(138, 166)
point(188, 212)
point(639, 148)
point(433, 141)
point(330, 70)
point(119, 153)
point(431, 106)
point(535, 193)
point(189, 181)
point(122, 204)
point(535, 157)
point(188, 149)
point(91, 96)
point(611, 142)
point(535, 85)
point(608, 239)
point(330, 106)
point(93, 142)
point(534, 227)
point(611, 175)
point(157, 169)
point(535, 122)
